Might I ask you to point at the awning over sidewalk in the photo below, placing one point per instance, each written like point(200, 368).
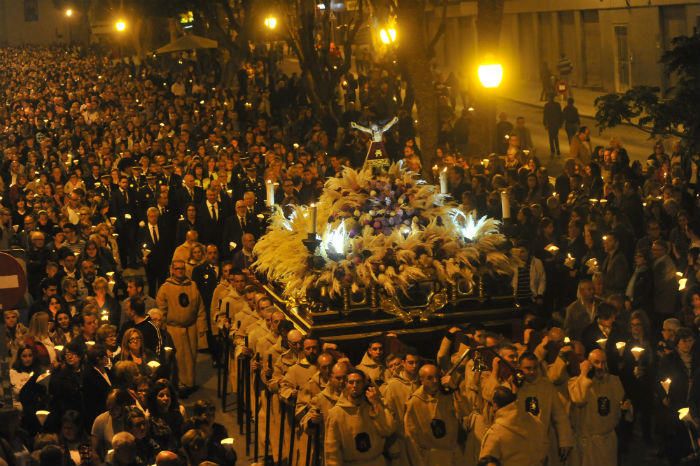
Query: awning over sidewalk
point(188, 42)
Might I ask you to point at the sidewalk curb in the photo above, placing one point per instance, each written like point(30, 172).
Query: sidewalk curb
point(540, 105)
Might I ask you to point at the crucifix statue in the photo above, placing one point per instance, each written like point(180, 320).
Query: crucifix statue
point(377, 159)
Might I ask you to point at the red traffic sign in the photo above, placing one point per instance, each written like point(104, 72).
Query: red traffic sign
point(13, 281)
point(562, 87)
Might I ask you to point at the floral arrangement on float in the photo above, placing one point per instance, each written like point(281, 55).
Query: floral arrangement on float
point(383, 231)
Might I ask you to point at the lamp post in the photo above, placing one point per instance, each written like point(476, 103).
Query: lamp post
point(490, 74)
point(69, 15)
point(120, 27)
point(387, 35)
point(271, 24)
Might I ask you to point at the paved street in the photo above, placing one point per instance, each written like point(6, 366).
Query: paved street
point(637, 143)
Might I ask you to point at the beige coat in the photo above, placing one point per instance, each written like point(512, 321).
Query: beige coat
point(263, 344)
point(321, 403)
point(313, 387)
point(516, 438)
point(432, 424)
point(281, 366)
point(184, 314)
point(182, 252)
point(238, 308)
point(372, 369)
point(396, 394)
point(275, 351)
point(541, 399)
point(220, 292)
point(296, 378)
point(596, 412)
point(355, 434)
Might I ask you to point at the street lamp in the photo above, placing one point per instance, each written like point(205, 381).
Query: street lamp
point(69, 12)
point(120, 25)
point(387, 35)
point(271, 22)
point(490, 75)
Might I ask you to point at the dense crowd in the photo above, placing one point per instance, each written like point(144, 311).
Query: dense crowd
point(137, 191)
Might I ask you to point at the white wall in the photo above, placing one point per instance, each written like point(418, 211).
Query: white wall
point(52, 26)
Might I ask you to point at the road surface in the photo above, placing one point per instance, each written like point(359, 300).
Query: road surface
point(637, 143)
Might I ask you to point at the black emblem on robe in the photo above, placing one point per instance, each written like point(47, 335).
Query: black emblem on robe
point(603, 405)
point(532, 405)
point(362, 442)
point(438, 428)
point(184, 300)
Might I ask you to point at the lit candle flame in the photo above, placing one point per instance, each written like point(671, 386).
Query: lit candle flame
point(666, 384)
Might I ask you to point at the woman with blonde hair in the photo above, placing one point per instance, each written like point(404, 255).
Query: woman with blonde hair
point(133, 350)
point(107, 336)
point(104, 230)
point(197, 257)
point(38, 332)
point(107, 306)
point(15, 331)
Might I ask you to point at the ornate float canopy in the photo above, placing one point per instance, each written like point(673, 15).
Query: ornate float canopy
point(386, 231)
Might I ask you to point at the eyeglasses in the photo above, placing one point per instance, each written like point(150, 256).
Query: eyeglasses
point(134, 339)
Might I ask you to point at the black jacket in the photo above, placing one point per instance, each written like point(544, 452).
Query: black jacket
point(553, 116)
point(96, 394)
point(643, 291)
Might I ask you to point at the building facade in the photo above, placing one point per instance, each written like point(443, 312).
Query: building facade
point(36, 22)
point(612, 44)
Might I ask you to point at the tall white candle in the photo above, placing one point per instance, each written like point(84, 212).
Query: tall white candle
point(505, 204)
point(270, 193)
point(314, 213)
point(443, 181)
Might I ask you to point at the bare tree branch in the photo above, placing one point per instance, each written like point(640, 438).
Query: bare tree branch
point(350, 38)
point(233, 23)
point(440, 32)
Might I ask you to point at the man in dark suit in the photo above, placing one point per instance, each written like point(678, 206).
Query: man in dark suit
point(244, 258)
point(665, 283)
point(254, 184)
point(223, 198)
point(210, 219)
point(155, 249)
point(234, 227)
point(307, 191)
point(123, 208)
point(190, 193)
point(170, 179)
point(147, 196)
point(255, 224)
point(615, 267)
point(602, 328)
point(206, 276)
point(92, 181)
point(136, 180)
point(553, 119)
point(106, 188)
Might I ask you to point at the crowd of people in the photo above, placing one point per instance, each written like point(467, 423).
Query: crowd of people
point(135, 193)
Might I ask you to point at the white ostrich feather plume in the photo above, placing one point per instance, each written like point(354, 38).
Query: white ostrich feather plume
point(391, 231)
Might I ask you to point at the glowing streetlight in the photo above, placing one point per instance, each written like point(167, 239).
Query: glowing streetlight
point(387, 35)
point(490, 75)
point(69, 12)
point(271, 22)
point(120, 25)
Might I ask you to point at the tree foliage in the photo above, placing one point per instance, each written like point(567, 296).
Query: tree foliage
point(670, 113)
point(323, 50)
